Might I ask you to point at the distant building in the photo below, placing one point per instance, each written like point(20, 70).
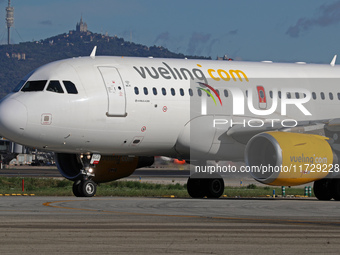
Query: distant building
point(225, 57)
point(81, 26)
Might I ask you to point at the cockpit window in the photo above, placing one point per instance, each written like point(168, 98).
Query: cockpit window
point(19, 86)
point(70, 87)
point(34, 86)
point(54, 86)
point(22, 82)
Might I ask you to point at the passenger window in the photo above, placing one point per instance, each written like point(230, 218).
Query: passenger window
point(297, 95)
point(164, 91)
point(261, 94)
point(154, 90)
point(339, 96)
point(70, 87)
point(54, 86)
point(322, 96)
point(173, 92)
point(199, 92)
point(146, 91)
point(314, 95)
point(181, 91)
point(218, 92)
point(289, 95)
point(271, 94)
point(208, 93)
point(280, 94)
point(34, 86)
point(136, 91)
point(191, 93)
point(226, 93)
point(330, 96)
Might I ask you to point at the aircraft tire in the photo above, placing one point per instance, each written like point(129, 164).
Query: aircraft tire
point(322, 189)
point(88, 188)
point(196, 187)
point(336, 189)
point(215, 187)
point(76, 189)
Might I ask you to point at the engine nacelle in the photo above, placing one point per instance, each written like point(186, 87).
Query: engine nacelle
point(110, 168)
point(288, 159)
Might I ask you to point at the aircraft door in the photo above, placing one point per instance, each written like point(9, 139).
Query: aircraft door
point(262, 97)
point(115, 91)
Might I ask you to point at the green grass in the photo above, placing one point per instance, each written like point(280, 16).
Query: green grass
point(254, 191)
point(57, 187)
point(37, 186)
point(135, 188)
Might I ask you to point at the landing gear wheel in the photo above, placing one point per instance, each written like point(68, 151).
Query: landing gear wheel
point(196, 187)
point(322, 189)
point(215, 187)
point(335, 189)
point(88, 188)
point(76, 189)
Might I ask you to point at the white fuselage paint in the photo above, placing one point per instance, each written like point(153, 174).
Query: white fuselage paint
point(111, 119)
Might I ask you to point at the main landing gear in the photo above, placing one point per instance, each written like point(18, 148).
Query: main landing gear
point(211, 187)
point(84, 186)
point(326, 189)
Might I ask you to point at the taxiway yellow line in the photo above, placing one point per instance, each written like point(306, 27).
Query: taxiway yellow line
point(219, 218)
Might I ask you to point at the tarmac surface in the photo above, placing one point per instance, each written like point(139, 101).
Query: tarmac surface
point(117, 225)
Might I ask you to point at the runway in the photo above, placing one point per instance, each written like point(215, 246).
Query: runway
point(101, 225)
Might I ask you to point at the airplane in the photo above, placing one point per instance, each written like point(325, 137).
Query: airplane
point(106, 116)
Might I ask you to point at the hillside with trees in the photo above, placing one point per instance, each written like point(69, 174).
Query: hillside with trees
point(19, 59)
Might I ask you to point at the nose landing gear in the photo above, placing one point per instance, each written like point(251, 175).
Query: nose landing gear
point(85, 186)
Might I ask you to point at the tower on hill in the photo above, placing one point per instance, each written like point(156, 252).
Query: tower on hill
point(81, 26)
point(9, 20)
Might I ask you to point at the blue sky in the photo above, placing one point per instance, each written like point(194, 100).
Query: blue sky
point(290, 30)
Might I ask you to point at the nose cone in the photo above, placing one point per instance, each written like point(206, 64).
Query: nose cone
point(13, 118)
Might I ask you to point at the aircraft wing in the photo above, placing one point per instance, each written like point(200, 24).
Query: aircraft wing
point(243, 134)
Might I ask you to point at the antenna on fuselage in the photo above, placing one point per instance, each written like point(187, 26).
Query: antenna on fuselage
point(333, 60)
point(93, 53)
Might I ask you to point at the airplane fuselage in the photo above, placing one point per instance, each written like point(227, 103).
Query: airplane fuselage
point(144, 106)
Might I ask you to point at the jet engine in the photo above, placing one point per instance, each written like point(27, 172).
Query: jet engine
point(288, 159)
point(108, 169)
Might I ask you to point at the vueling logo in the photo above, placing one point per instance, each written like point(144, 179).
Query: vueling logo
point(168, 73)
point(209, 93)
